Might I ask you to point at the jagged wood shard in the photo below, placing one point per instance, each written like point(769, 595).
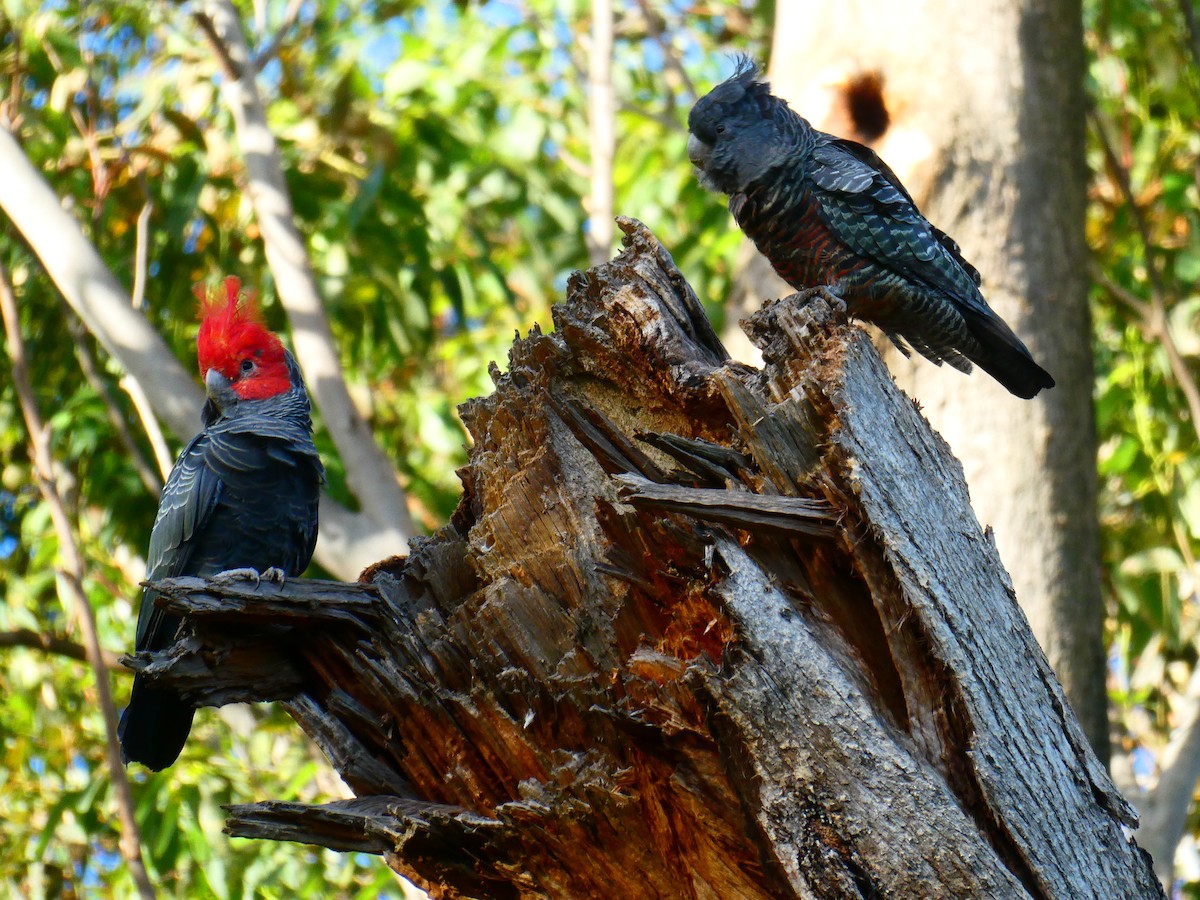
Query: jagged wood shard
point(695, 630)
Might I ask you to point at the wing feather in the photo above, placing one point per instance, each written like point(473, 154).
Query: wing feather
point(190, 495)
point(870, 211)
point(222, 460)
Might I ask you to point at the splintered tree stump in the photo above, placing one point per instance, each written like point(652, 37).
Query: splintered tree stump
point(695, 630)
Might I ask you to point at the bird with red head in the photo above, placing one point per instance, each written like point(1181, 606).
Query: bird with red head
point(242, 495)
point(234, 343)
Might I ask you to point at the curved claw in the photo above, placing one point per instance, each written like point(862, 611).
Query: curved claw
point(275, 575)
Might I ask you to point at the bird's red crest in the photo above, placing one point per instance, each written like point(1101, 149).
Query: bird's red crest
point(234, 341)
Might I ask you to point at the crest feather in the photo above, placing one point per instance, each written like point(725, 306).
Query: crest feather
point(230, 322)
point(228, 305)
point(745, 68)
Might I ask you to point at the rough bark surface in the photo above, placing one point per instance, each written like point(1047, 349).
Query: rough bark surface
point(696, 630)
point(985, 126)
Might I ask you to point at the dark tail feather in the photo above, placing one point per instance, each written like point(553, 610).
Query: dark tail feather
point(154, 727)
point(1004, 357)
point(1019, 374)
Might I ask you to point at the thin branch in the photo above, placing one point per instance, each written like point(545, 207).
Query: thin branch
point(208, 30)
point(86, 128)
point(141, 255)
point(664, 119)
point(290, 15)
point(1156, 320)
point(574, 163)
point(91, 372)
point(602, 132)
point(672, 64)
point(59, 646)
point(1121, 176)
point(1139, 306)
point(369, 473)
point(100, 184)
point(10, 112)
point(1184, 545)
point(145, 411)
point(1193, 28)
point(1147, 323)
point(131, 386)
point(70, 584)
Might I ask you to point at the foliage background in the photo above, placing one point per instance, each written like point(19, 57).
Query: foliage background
point(437, 158)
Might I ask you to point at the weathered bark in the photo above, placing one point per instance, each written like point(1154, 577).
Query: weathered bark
point(979, 107)
point(695, 630)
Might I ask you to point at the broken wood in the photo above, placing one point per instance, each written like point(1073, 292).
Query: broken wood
point(695, 630)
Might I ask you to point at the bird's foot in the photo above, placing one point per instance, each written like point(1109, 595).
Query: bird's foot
point(232, 576)
point(824, 292)
point(274, 575)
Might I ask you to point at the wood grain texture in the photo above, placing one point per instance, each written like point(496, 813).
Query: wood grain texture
point(696, 630)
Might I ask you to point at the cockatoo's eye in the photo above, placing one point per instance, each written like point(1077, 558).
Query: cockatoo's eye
point(248, 366)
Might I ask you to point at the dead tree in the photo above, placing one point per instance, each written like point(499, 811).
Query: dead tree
point(695, 630)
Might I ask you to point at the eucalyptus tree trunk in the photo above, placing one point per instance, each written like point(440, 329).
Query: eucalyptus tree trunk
point(979, 108)
point(695, 630)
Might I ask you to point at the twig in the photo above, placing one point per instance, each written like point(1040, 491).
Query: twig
point(208, 30)
point(602, 128)
point(671, 62)
point(1156, 318)
point(100, 178)
point(574, 163)
point(664, 119)
point(100, 186)
point(1147, 323)
point(70, 584)
point(140, 256)
point(131, 386)
point(1139, 306)
point(59, 646)
point(145, 411)
point(10, 112)
point(369, 473)
point(87, 363)
point(290, 15)
point(1193, 28)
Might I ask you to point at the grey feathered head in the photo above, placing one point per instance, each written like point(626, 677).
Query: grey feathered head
point(739, 131)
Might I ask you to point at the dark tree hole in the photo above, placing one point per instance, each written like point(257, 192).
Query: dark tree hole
point(868, 111)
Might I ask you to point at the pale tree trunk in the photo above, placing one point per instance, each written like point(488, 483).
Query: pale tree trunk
point(984, 124)
point(695, 630)
point(349, 539)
